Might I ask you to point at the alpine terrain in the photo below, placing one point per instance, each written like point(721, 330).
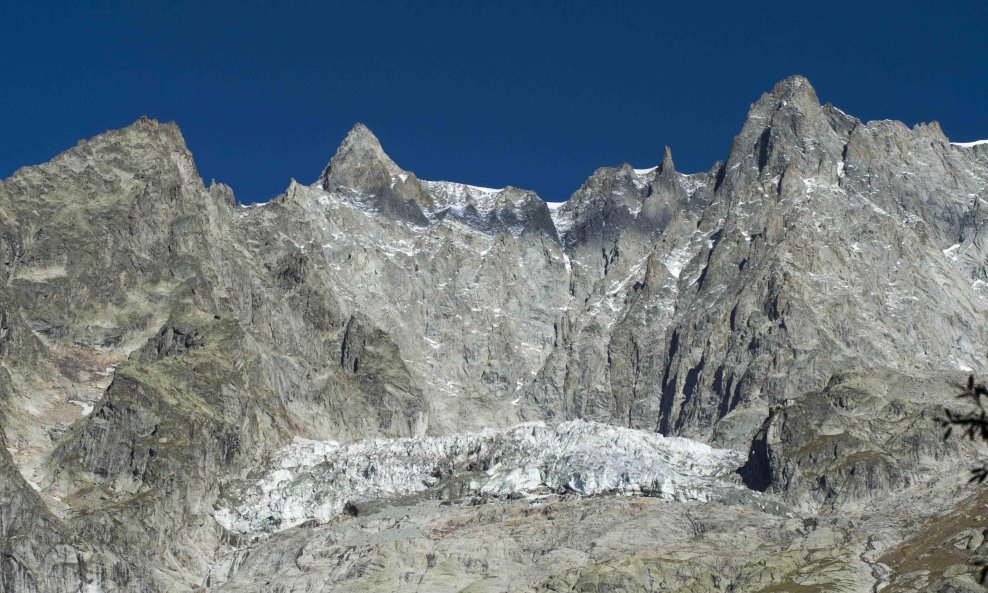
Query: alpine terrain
point(720, 381)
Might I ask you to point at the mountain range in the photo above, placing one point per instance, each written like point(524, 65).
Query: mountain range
point(721, 381)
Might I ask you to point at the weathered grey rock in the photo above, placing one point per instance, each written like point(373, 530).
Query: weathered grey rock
point(360, 167)
point(809, 302)
point(858, 440)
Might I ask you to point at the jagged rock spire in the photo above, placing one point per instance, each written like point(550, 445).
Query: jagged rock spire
point(796, 89)
point(787, 126)
point(358, 160)
point(361, 166)
point(667, 166)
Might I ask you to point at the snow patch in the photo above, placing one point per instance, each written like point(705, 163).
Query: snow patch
point(951, 252)
point(677, 260)
point(87, 407)
point(692, 182)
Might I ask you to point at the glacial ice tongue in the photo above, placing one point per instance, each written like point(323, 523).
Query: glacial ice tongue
point(315, 480)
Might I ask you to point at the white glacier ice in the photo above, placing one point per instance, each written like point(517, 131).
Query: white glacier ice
point(315, 480)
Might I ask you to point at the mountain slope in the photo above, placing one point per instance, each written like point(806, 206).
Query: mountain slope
point(161, 347)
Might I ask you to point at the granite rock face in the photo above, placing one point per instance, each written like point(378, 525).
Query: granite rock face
point(805, 307)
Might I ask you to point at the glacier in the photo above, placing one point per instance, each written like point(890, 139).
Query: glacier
point(311, 480)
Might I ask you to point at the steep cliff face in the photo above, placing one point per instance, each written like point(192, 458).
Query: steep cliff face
point(834, 253)
point(806, 303)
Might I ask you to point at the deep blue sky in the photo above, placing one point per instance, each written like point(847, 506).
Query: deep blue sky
point(531, 94)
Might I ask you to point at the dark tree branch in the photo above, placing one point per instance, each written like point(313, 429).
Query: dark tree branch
point(973, 425)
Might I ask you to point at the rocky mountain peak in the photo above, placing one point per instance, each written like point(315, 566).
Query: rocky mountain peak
point(667, 166)
point(790, 102)
point(362, 168)
point(360, 150)
point(787, 128)
point(144, 139)
point(152, 135)
point(932, 130)
point(361, 133)
point(361, 138)
point(796, 89)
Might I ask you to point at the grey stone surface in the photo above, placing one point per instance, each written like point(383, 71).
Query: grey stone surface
point(809, 302)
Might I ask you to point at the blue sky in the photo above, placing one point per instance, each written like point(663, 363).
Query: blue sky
point(531, 94)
